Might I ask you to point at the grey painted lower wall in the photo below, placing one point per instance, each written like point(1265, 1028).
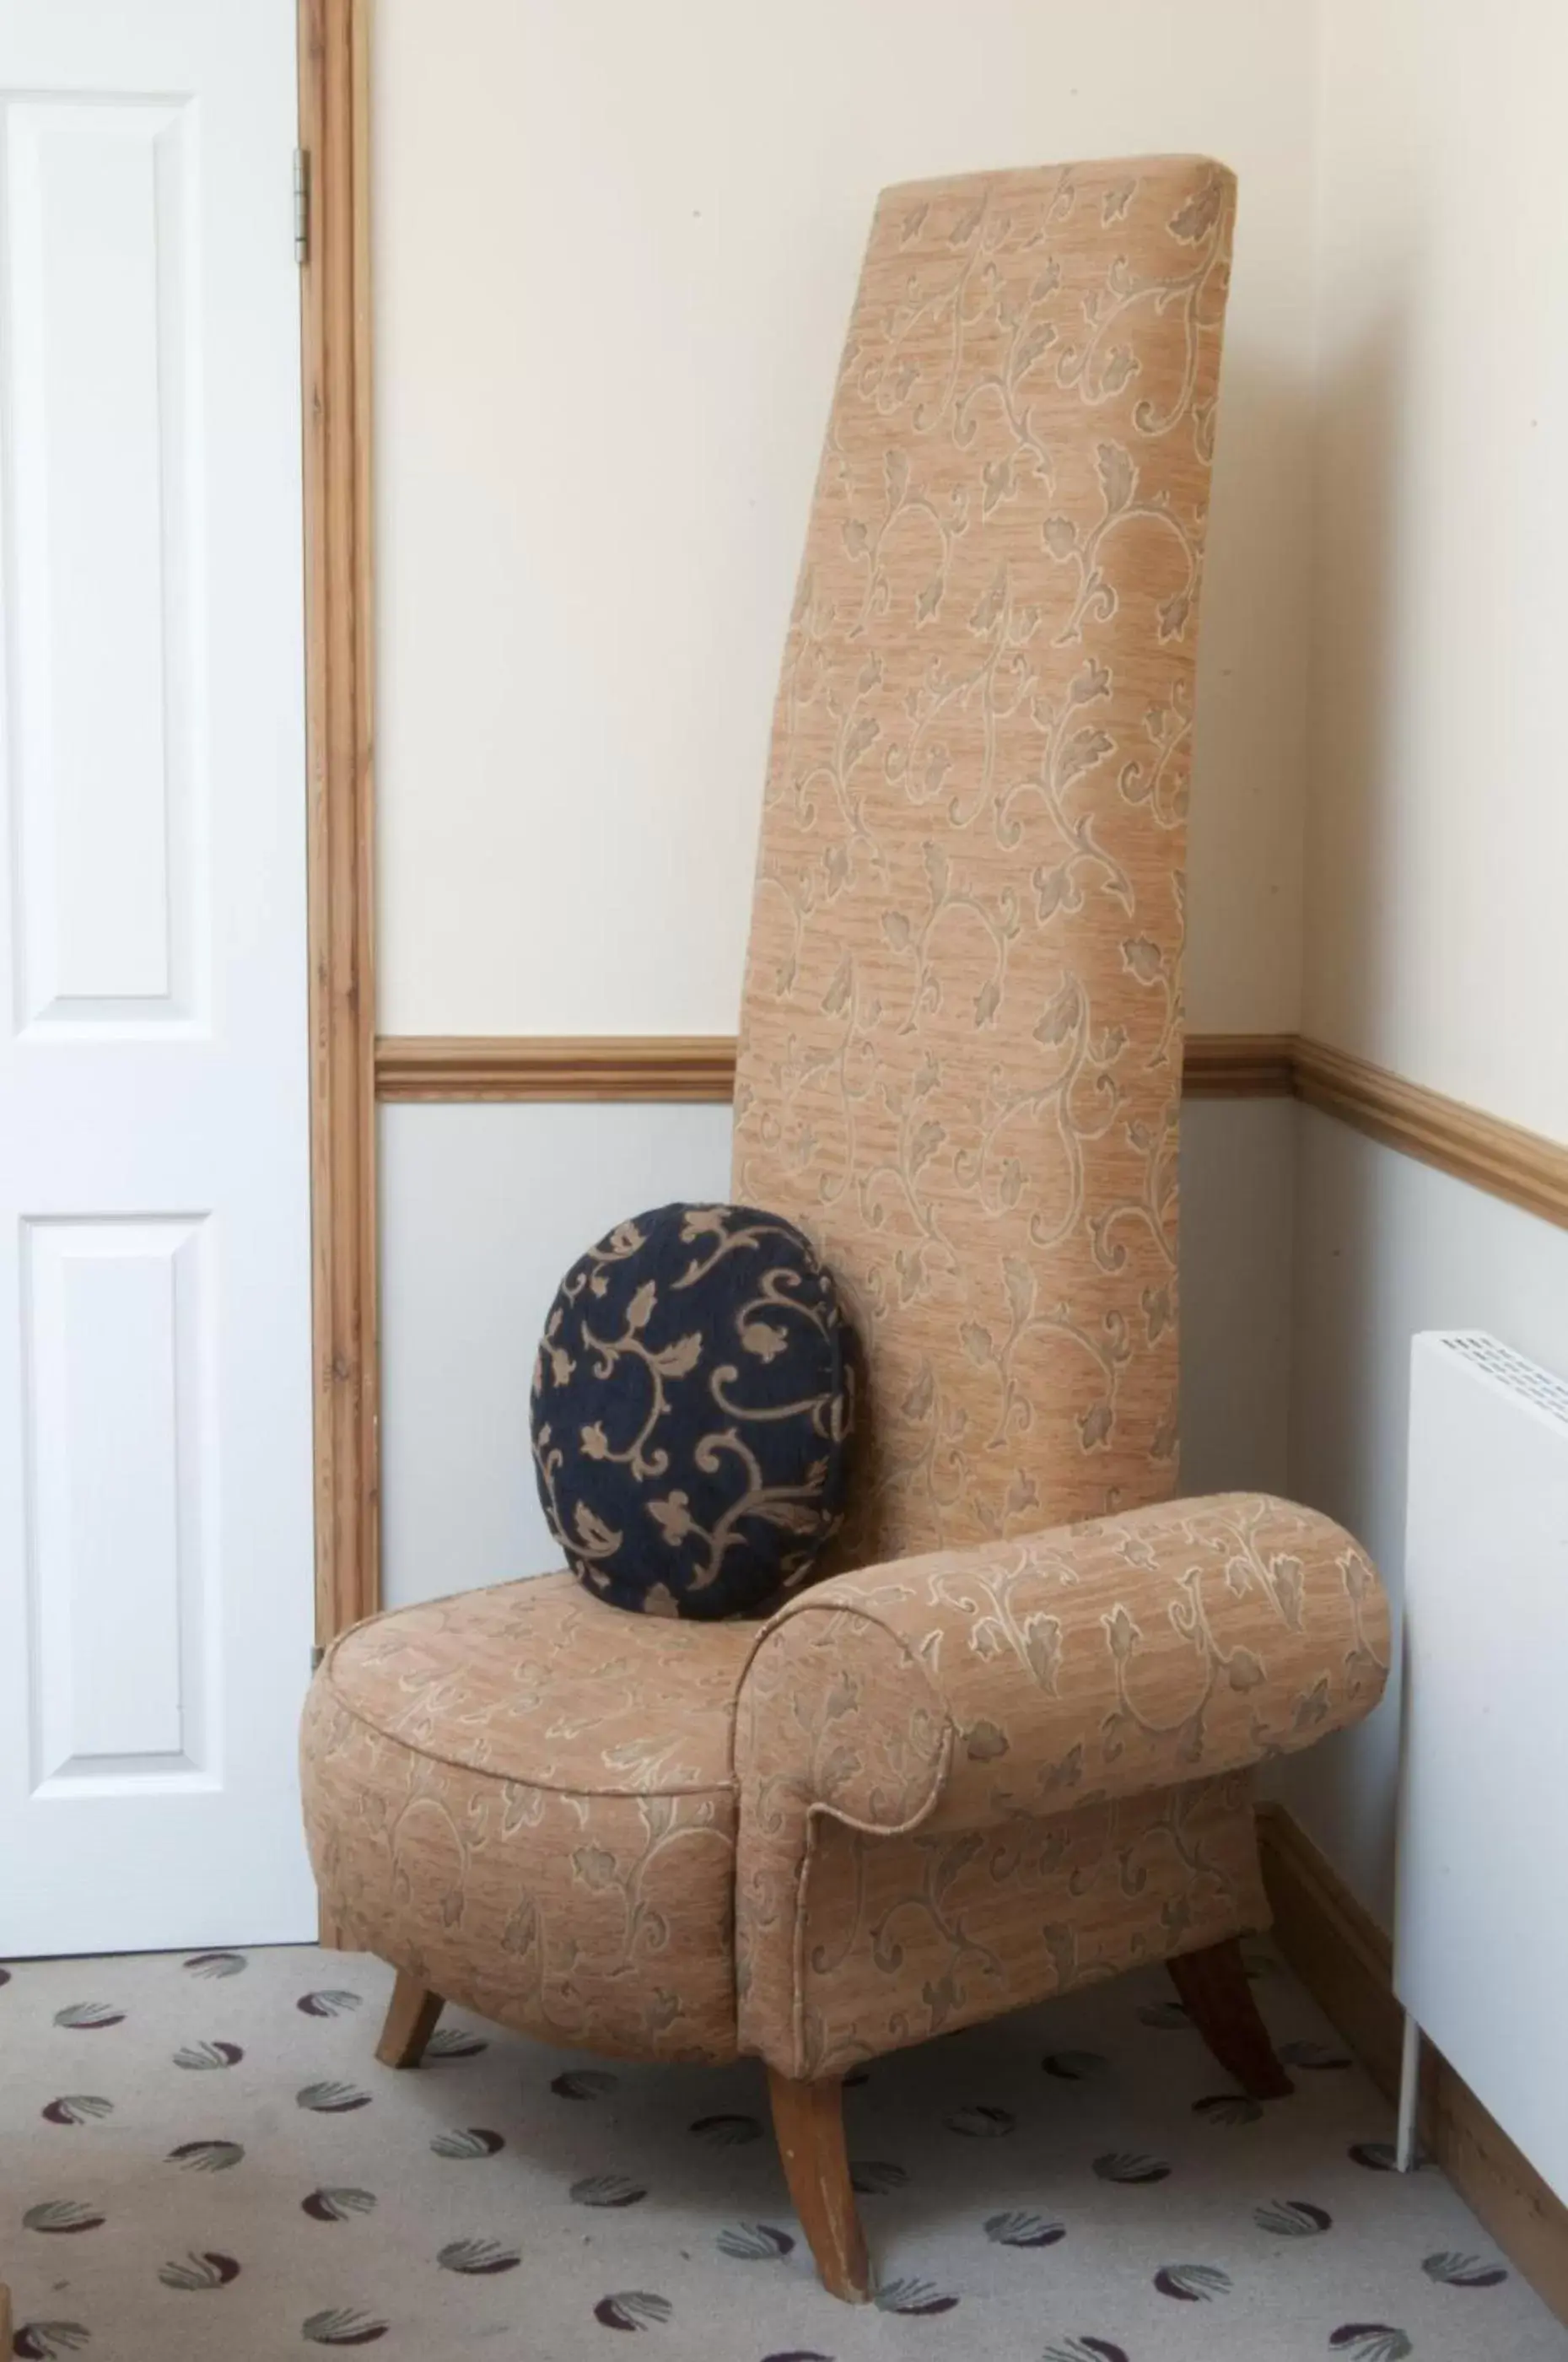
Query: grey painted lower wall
point(484, 1207)
point(1386, 1247)
point(1238, 1185)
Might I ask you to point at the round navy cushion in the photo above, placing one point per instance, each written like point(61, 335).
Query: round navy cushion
point(691, 1411)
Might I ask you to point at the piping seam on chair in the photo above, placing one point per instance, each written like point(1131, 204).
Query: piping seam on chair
point(511, 1779)
point(943, 1761)
point(817, 1809)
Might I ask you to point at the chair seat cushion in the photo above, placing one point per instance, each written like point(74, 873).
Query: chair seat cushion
point(529, 1804)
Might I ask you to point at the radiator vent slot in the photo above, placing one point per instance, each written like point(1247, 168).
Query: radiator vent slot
point(1510, 1369)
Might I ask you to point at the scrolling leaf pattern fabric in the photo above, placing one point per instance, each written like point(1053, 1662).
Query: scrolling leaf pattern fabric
point(691, 1411)
point(960, 1055)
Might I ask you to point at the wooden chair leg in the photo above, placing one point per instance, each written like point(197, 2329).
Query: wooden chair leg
point(808, 2120)
point(1214, 1991)
point(410, 2023)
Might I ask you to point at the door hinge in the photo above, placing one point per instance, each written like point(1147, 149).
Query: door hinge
point(302, 204)
point(316, 1655)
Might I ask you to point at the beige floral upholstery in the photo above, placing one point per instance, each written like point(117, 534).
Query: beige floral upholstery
point(957, 1785)
point(526, 1798)
point(896, 1940)
point(960, 1049)
point(971, 1767)
point(946, 1783)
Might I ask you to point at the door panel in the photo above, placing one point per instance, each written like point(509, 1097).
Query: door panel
point(97, 230)
point(156, 1541)
point(112, 1374)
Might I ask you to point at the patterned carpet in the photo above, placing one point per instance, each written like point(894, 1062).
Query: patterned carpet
point(202, 2162)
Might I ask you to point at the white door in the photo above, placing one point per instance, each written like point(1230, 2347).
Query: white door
point(155, 1414)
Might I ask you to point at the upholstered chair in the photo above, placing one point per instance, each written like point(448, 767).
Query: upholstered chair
point(1007, 1746)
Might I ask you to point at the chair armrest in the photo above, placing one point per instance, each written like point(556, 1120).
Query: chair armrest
point(1069, 1666)
point(988, 1690)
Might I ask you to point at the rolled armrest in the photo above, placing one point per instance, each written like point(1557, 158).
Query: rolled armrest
point(1070, 1666)
point(992, 1689)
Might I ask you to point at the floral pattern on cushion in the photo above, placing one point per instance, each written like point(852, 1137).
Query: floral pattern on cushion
point(692, 1402)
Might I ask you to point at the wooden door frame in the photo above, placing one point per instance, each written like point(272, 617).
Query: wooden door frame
point(334, 296)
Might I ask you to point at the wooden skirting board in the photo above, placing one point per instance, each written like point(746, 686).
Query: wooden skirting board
point(1480, 1149)
point(1345, 1961)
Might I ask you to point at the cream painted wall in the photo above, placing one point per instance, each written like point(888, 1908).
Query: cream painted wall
point(615, 245)
point(1436, 941)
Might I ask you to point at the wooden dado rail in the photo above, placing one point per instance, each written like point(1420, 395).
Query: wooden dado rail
point(702, 1066)
point(1480, 1149)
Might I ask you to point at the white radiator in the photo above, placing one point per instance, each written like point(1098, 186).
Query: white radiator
point(1480, 1926)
